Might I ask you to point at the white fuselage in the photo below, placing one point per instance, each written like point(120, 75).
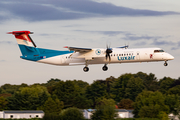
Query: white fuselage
point(97, 56)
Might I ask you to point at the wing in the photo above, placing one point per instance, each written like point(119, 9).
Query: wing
point(77, 49)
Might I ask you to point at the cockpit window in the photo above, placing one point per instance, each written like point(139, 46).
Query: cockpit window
point(158, 51)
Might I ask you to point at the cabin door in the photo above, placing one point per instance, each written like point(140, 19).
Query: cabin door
point(138, 55)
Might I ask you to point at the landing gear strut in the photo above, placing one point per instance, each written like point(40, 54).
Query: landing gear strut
point(105, 68)
point(165, 64)
point(86, 69)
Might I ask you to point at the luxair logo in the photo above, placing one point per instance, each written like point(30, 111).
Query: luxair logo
point(98, 52)
point(126, 58)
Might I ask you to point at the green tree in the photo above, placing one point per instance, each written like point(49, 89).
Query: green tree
point(5, 95)
point(51, 83)
point(105, 102)
point(151, 111)
point(67, 92)
point(119, 87)
point(174, 90)
point(3, 103)
point(125, 104)
point(80, 101)
point(173, 102)
point(165, 84)
point(134, 87)
point(163, 116)
point(28, 98)
point(109, 81)
point(8, 88)
point(50, 117)
point(150, 81)
point(81, 83)
point(104, 113)
point(52, 106)
point(72, 114)
point(176, 82)
point(150, 104)
point(96, 90)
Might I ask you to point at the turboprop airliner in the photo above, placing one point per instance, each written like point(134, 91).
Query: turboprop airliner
point(87, 56)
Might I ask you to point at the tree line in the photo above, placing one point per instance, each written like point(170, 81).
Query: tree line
point(144, 93)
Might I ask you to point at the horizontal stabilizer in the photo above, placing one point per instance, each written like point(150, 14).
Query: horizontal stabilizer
point(20, 32)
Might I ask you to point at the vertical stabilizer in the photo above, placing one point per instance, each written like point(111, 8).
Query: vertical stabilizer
point(26, 44)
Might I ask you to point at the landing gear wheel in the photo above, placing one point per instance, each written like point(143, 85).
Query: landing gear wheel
point(105, 68)
point(165, 64)
point(86, 69)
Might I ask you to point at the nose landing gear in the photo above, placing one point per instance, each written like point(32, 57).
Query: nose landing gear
point(165, 64)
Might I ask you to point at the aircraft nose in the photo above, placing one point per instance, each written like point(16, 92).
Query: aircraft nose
point(170, 57)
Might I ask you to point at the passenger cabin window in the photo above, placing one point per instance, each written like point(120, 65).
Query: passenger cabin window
point(156, 51)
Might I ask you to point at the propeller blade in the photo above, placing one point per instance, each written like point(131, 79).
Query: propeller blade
point(109, 58)
point(106, 56)
point(108, 51)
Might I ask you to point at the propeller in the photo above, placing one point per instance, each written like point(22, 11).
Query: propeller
point(108, 51)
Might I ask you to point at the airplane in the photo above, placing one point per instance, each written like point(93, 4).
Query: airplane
point(86, 56)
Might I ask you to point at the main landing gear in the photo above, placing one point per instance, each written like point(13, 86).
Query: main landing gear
point(105, 68)
point(165, 64)
point(86, 69)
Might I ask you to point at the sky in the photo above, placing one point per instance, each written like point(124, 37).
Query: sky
point(91, 24)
